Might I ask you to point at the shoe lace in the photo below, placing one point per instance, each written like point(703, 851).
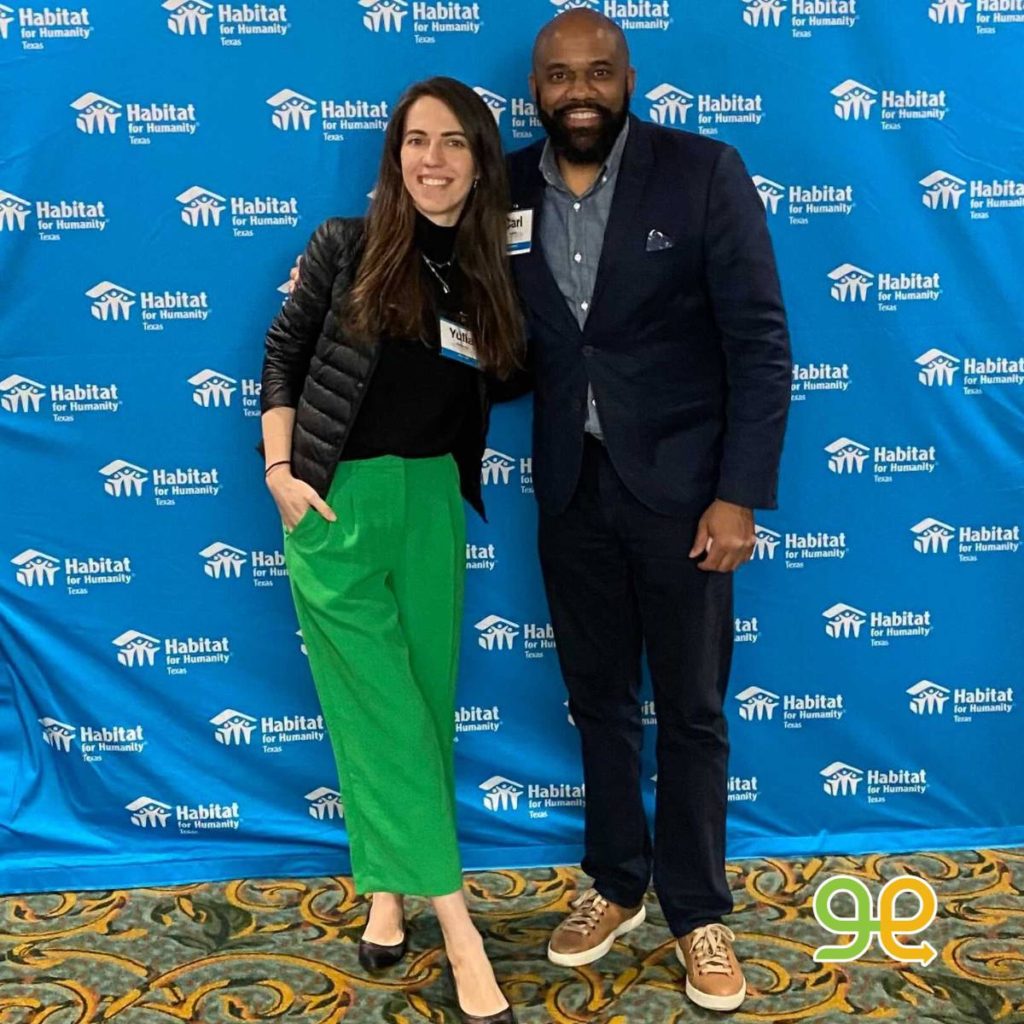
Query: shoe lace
point(588, 909)
point(709, 948)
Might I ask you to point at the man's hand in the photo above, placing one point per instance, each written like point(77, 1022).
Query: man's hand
point(726, 533)
point(293, 274)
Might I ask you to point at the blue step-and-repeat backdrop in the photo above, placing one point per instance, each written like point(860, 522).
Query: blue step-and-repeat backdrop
point(161, 164)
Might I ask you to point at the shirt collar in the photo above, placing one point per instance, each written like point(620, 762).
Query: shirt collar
point(553, 176)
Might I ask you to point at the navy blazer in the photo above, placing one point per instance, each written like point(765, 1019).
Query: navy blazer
point(686, 347)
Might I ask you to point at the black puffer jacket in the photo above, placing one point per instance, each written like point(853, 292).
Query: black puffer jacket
point(311, 366)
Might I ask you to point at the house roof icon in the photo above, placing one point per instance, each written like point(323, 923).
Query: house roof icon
point(189, 5)
point(495, 620)
point(16, 380)
point(146, 801)
point(845, 443)
point(229, 714)
point(9, 199)
point(934, 354)
point(51, 723)
point(31, 555)
point(105, 288)
point(839, 766)
point(118, 465)
point(197, 192)
point(763, 531)
point(764, 184)
point(852, 85)
point(89, 99)
point(323, 791)
point(206, 375)
point(219, 547)
point(842, 609)
point(846, 269)
point(133, 634)
point(941, 176)
point(287, 95)
point(669, 92)
point(755, 691)
point(492, 456)
point(492, 99)
point(499, 780)
point(930, 524)
point(926, 686)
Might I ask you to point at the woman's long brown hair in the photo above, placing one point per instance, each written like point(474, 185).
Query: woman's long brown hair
point(388, 297)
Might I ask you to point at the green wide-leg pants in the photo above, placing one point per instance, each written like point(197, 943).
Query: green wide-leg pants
point(379, 598)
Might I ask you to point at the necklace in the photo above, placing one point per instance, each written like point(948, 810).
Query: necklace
point(435, 268)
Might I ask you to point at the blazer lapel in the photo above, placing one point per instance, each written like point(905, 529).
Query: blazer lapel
point(536, 282)
point(637, 162)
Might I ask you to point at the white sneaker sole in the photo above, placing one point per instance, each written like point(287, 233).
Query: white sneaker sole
point(588, 956)
point(709, 1002)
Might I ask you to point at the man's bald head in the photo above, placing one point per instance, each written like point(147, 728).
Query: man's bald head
point(577, 25)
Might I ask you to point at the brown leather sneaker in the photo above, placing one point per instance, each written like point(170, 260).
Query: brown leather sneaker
point(591, 929)
point(713, 976)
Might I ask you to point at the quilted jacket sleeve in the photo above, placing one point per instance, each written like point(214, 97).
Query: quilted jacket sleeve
point(293, 335)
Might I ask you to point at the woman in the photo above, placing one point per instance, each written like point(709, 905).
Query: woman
point(375, 410)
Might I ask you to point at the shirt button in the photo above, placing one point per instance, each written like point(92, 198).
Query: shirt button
point(576, 207)
point(578, 257)
point(584, 305)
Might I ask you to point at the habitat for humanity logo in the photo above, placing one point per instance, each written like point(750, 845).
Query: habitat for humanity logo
point(234, 728)
point(52, 216)
point(112, 302)
point(495, 103)
point(502, 794)
point(844, 622)
point(937, 369)
point(235, 21)
point(798, 548)
point(496, 468)
point(100, 115)
point(94, 740)
point(126, 480)
point(855, 101)
point(807, 15)
point(930, 699)
point(746, 630)
point(852, 284)
point(943, 191)
point(632, 15)
point(139, 650)
point(475, 718)
point(34, 568)
point(20, 394)
point(671, 106)
point(759, 705)
point(499, 634)
point(212, 389)
point(147, 812)
point(844, 780)
point(801, 203)
point(37, 28)
point(847, 457)
point(428, 19)
point(224, 562)
point(202, 208)
point(989, 15)
point(481, 556)
point(815, 378)
point(292, 111)
point(325, 804)
point(933, 537)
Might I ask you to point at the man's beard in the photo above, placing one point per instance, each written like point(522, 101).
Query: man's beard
point(590, 146)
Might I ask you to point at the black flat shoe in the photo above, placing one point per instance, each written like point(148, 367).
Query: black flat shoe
point(505, 1016)
point(375, 957)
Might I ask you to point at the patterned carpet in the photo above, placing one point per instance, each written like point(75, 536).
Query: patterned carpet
point(284, 951)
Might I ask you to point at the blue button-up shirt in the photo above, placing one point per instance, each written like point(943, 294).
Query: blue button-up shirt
point(572, 234)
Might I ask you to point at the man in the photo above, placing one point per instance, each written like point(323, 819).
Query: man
point(662, 375)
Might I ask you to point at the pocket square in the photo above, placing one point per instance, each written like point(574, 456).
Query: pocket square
point(656, 241)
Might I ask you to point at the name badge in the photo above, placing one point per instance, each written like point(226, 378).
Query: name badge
point(520, 232)
point(457, 342)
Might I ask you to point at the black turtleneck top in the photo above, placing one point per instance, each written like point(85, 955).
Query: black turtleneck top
point(418, 402)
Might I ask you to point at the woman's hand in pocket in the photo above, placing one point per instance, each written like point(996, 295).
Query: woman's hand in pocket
point(295, 497)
